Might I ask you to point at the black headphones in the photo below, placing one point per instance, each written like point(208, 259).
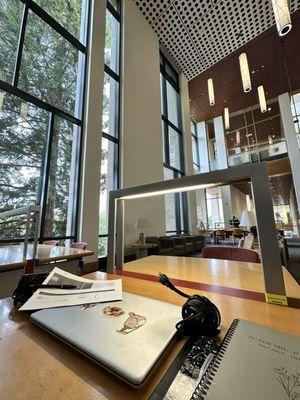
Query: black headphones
point(200, 315)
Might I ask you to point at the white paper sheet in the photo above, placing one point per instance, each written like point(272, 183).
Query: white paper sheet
point(87, 291)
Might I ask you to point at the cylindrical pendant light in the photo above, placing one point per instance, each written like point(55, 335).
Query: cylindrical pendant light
point(282, 16)
point(238, 138)
point(226, 118)
point(270, 140)
point(245, 74)
point(211, 92)
point(262, 99)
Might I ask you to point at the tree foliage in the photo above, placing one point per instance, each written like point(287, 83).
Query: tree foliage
point(49, 71)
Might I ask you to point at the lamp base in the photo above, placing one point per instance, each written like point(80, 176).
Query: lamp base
point(141, 238)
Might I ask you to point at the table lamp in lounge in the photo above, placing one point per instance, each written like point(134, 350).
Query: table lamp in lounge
point(248, 219)
point(141, 224)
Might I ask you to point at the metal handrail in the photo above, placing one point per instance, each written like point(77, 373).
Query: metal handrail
point(29, 210)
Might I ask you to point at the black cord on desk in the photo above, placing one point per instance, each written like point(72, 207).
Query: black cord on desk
point(200, 315)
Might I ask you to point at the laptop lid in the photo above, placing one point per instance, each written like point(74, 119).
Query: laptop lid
point(127, 337)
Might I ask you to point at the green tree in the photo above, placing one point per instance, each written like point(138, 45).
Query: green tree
point(49, 71)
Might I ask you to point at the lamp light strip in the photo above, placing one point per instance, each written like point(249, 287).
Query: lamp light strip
point(168, 191)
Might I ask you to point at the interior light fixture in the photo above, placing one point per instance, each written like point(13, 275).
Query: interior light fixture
point(226, 118)
point(238, 138)
point(211, 92)
point(245, 74)
point(168, 191)
point(282, 16)
point(262, 99)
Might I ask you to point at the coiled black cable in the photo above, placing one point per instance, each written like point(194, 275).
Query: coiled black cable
point(200, 315)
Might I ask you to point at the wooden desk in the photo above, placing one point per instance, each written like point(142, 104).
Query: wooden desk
point(212, 275)
point(37, 366)
point(11, 257)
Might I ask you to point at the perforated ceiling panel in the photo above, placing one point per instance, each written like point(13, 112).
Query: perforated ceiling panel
point(199, 33)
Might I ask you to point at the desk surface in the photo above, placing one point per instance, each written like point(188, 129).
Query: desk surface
point(37, 366)
point(212, 275)
point(11, 257)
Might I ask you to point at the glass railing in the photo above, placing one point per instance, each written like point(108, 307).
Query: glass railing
point(264, 153)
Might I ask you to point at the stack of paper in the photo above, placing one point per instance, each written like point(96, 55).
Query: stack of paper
point(87, 291)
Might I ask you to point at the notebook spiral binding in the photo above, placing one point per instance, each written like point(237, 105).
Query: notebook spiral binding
point(206, 380)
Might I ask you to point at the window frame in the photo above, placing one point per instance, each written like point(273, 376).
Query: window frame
point(253, 146)
point(117, 14)
point(180, 198)
point(196, 138)
point(54, 112)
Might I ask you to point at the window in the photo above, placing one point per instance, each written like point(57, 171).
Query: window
point(175, 204)
point(212, 146)
point(110, 118)
point(195, 147)
point(295, 104)
point(255, 136)
point(214, 208)
point(42, 71)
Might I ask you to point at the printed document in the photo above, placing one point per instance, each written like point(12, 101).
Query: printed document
point(87, 291)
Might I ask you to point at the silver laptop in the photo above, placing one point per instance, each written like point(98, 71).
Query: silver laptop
point(127, 337)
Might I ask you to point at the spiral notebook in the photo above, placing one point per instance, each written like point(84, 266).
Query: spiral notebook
point(254, 362)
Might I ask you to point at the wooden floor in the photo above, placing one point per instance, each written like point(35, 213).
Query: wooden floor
point(212, 274)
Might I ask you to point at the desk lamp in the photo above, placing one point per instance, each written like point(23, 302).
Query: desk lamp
point(141, 224)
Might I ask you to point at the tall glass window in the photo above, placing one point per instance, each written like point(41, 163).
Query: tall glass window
point(255, 136)
point(195, 147)
point(175, 204)
point(215, 213)
point(212, 146)
point(42, 71)
point(110, 117)
point(295, 104)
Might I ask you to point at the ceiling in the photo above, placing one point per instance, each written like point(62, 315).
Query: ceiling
point(281, 182)
point(280, 187)
point(199, 33)
point(273, 62)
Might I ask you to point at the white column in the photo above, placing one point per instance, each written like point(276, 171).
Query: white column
point(203, 147)
point(223, 164)
point(220, 143)
point(291, 140)
point(90, 187)
point(142, 145)
point(202, 205)
point(204, 167)
point(188, 150)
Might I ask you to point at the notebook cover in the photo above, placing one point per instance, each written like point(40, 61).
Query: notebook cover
point(254, 362)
